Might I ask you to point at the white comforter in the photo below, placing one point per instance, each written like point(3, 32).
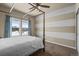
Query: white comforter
point(18, 46)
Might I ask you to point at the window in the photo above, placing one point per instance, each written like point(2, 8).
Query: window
point(19, 27)
point(25, 27)
point(15, 27)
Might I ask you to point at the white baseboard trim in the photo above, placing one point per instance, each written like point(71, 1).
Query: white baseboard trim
point(60, 44)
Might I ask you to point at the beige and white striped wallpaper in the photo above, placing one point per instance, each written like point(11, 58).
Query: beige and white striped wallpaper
point(59, 26)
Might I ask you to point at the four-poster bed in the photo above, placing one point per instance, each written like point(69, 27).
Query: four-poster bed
point(36, 41)
point(43, 24)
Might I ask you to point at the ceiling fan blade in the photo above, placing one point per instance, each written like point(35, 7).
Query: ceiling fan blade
point(45, 6)
point(37, 4)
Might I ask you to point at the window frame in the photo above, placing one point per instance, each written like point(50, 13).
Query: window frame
point(16, 19)
point(20, 26)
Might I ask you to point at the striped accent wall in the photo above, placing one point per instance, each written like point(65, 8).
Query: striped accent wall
point(59, 26)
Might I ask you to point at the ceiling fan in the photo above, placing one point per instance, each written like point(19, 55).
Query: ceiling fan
point(37, 5)
point(40, 5)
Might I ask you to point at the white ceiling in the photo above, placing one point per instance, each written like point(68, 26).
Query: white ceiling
point(24, 7)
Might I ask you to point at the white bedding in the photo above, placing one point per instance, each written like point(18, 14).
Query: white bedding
point(18, 46)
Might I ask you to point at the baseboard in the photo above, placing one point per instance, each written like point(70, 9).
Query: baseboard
point(61, 44)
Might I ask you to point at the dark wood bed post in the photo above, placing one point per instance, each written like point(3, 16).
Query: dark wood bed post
point(44, 31)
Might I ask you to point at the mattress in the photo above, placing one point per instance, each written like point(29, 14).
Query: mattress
point(20, 46)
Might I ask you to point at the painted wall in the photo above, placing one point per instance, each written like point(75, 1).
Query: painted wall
point(2, 24)
point(59, 26)
point(32, 19)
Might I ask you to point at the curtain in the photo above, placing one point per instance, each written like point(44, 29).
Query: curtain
point(7, 26)
point(30, 32)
